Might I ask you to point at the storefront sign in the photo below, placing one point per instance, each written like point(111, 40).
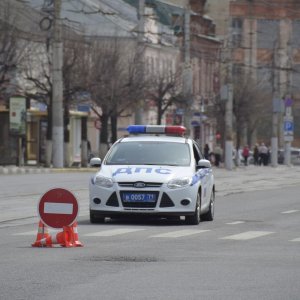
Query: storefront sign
point(17, 115)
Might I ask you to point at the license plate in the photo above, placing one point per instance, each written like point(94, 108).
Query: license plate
point(139, 197)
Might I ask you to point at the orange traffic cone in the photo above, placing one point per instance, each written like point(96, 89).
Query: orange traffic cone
point(50, 240)
point(76, 238)
point(42, 234)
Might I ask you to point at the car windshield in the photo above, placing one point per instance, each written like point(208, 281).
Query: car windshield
point(149, 153)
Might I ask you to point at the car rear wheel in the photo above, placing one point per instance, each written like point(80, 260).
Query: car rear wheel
point(96, 219)
point(209, 216)
point(195, 218)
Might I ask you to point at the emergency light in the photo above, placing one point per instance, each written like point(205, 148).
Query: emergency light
point(156, 129)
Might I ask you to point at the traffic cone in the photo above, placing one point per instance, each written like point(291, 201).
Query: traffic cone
point(76, 238)
point(42, 234)
point(49, 241)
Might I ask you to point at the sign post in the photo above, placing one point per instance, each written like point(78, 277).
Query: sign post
point(17, 123)
point(288, 129)
point(58, 208)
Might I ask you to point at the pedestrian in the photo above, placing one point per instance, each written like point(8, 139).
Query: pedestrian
point(218, 152)
point(256, 155)
point(263, 154)
point(245, 154)
point(206, 151)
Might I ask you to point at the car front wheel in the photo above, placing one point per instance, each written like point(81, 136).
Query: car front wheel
point(209, 216)
point(195, 218)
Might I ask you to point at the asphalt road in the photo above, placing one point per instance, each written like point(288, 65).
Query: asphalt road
point(250, 250)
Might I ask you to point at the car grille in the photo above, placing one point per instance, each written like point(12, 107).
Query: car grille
point(113, 200)
point(147, 184)
point(166, 201)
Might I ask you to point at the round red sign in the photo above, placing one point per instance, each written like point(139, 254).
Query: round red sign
point(58, 208)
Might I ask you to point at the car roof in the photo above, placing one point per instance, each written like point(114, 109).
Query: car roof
point(154, 138)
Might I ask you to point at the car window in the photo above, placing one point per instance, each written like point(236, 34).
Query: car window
point(197, 153)
point(149, 153)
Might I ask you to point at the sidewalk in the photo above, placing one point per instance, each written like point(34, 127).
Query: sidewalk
point(12, 170)
point(239, 180)
point(252, 178)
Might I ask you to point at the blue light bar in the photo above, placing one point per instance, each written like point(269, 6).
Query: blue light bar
point(134, 129)
point(156, 129)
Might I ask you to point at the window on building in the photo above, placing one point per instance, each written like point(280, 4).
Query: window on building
point(237, 71)
point(296, 79)
point(264, 77)
point(267, 34)
point(296, 34)
point(237, 29)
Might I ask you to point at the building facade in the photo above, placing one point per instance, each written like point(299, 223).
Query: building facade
point(265, 38)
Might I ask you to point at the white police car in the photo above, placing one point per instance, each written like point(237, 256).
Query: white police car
point(154, 171)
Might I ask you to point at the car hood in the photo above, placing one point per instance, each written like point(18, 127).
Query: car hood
point(163, 174)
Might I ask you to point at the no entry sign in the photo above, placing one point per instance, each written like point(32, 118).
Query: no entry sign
point(58, 208)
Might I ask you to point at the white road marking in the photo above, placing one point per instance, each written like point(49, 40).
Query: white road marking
point(247, 235)
point(235, 223)
point(290, 211)
point(113, 232)
point(295, 240)
point(179, 233)
point(33, 232)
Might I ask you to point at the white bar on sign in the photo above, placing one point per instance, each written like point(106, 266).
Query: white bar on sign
point(58, 208)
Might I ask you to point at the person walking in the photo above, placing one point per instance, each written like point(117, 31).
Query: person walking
point(263, 154)
point(206, 151)
point(256, 155)
point(245, 154)
point(218, 152)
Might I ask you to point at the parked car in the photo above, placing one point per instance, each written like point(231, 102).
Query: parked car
point(295, 156)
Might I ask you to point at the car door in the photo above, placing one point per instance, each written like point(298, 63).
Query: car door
point(205, 175)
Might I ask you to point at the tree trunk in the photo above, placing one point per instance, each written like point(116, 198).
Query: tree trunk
point(159, 112)
point(103, 136)
point(84, 141)
point(66, 136)
point(49, 136)
point(114, 126)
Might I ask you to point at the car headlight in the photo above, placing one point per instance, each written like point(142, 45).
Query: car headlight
point(103, 181)
point(179, 182)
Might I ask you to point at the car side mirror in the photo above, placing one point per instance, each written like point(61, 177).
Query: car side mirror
point(95, 162)
point(203, 163)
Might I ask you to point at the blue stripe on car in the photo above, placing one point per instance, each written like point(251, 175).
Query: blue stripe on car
point(199, 175)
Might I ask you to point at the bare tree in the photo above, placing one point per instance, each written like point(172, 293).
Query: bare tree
point(249, 108)
point(115, 82)
point(11, 49)
point(37, 73)
point(164, 88)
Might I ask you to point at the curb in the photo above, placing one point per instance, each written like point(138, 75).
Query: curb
point(13, 170)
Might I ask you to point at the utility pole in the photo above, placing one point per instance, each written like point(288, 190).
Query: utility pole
point(229, 106)
point(57, 92)
point(276, 106)
point(187, 71)
point(138, 114)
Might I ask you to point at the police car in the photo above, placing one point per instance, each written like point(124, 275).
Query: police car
point(154, 171)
